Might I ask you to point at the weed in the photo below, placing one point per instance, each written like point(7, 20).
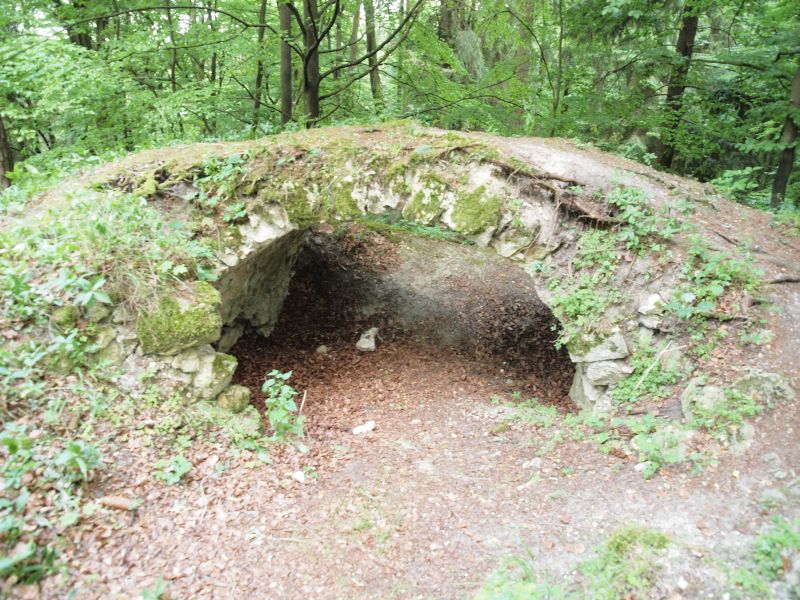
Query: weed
point(625, 566)
point(649, 379)
point(281, 407)
point(173, 471)
point(77, 461)
point(720, 420)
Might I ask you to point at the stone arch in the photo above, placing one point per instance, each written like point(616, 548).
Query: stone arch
point(473, 186)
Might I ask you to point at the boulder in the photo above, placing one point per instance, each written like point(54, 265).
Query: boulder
point(234, 399)
point(366, 342)
point(588, 349)
point(214, 374)
point(699, 395)
point(179, 323)
point(765, 388)
point(607, 372)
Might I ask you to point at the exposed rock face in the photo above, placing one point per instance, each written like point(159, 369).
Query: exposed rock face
point(214, 374)
point(179, 323)
point(599, 365)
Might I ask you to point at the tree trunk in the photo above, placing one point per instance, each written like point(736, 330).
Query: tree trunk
point(6, 159)
point(372, 43)
point(285, 17)
point(311, 66)
point(173, 62)
point(788, 139)
point(447, 18)
point(677, 82)
point(262, 20)
point(354, 33)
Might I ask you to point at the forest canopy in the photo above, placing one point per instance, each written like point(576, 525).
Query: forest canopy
point(705, 89)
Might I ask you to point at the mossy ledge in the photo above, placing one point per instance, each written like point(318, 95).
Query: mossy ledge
point(177, 324)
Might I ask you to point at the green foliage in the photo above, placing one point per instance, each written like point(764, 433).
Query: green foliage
point(280, 406)
point(650, 378)
point(31, 465)
point(775, 545)
point(626, 565)
point(172, 471)
point(77, 460)
point(389, 223)
point(643, 229)
point(721, 420)
point(708, 274)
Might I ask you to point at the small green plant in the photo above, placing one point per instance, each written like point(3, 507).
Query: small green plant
point(722, 419)
point(774, 548)
point(626, 565)
point(650, 379)
point(708, 274)
point(157, 591)
point(281, 407)
point(173, 471)
point(235, 212)
point(77, 461)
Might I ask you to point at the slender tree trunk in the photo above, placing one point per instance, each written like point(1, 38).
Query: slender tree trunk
point(339, 41)
point(788, 140)
point(311, 59)
point(447, 20)
point(173, 62)
point(372, 43)
point(677, 82)
point(285, 18)
point(6, 159)
point(354, 32)
point(262, 20)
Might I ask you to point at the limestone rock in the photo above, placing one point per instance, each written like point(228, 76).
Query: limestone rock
point(98, 312)
point(188, 361)
point(104, 337)
point(698, 395)
point(764, 387)
point(65, 317)
point(181, 323)
point(607, 372)
point(322, 349)
point(230, 335)
point(214, 374)
point(587, 349)
point(235, 399)
point(367, 341)
point(586, 395)
point(652, 305)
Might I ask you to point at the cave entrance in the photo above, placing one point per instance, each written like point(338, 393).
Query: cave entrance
point(452, 319)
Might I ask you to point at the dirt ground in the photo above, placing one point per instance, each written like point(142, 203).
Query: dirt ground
point(449, 483)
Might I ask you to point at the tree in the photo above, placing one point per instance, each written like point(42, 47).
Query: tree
point(6, 158)
point(677, 81)
point(789, 142)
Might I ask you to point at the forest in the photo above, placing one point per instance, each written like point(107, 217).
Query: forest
point(706, 89)
point(399, 299)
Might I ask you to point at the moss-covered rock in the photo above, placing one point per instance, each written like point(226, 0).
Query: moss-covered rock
point(476, 211)
point(234, 399)
point(181, 323)
point(765, 388)
point(65, 317)
point(214, 373)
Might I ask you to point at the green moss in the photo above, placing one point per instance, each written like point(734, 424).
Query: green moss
point(423, 208)
point(148, 187)
point(476, 211)
point(171, 327)
point(224, 364)
point(342, 204)
point(65, 317)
